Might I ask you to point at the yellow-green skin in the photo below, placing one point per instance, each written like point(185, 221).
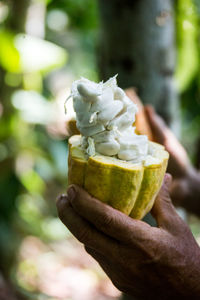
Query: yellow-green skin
point(127, 187)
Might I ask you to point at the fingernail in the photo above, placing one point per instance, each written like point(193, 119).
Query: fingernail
point(61, 197)
point(168, 179)
point(71, 193)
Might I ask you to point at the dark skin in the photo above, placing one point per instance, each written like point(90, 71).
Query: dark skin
point(145, 262)
point(185, 188)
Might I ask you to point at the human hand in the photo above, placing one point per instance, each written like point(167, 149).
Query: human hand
point(142, 261)
point(179, 164)
point(185, 188)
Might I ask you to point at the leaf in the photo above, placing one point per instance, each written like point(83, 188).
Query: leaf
point(37, 55)
point(187, 42)
point(9, 55)
point(32, 181)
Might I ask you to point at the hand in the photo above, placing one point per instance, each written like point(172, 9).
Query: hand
point(179, 164)
point(142, 261)
point(185, 189)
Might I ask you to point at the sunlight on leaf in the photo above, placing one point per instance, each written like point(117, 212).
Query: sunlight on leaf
point(32, 181)
point(39, 55)
point(188, 56)
point(9, 55)
point(33, 106)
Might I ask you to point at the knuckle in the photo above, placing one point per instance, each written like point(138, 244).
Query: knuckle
point(84, 236)
point(105, 222)
point(151, 252)
point(155, 255)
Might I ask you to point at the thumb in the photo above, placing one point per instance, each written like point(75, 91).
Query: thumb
point(163, 210)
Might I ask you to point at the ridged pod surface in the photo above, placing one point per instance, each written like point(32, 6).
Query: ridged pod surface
point(128, 187)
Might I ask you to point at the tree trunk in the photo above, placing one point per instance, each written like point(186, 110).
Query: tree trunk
point(138, 44)
point(18, 15)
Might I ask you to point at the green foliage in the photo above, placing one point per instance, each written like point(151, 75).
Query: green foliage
point(33, 157)
point(37, 55)
point(29, 164)
point(187, 73)
point(187, 41)
point(9, 56)
point(82, 13)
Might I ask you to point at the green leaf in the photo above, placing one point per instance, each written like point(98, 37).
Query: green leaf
point(187, 42)
point(9, 56)
point(37, 55)
point(32, 181)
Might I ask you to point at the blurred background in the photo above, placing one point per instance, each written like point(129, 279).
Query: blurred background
point(44, 46)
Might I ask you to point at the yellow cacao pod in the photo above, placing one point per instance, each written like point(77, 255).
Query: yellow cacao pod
point(128, 187)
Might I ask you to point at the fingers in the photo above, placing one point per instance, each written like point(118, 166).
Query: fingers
point(157, 125)
point(105, 218)
point(163, 210)
point(178, 162)
point(82, 230)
